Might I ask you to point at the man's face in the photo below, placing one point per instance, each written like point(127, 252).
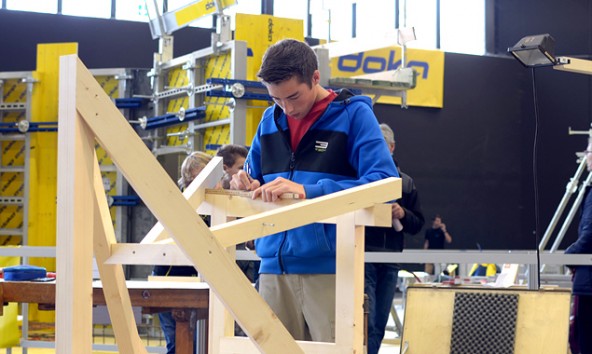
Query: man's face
point(437, 223)
point(238, 165)
point(294, 97)
point(588, 156)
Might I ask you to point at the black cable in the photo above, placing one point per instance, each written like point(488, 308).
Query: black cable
point(535, 179)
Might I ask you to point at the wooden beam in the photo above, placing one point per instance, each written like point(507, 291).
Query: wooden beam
point(349, 285)
point(308, 211)
point(194, 193)
point(114, 287)
point(167, 252)
point(74, 219)
point(236, 206)
point(579, 66)
point(166, 202)
point(233, 345)
point(221, 323)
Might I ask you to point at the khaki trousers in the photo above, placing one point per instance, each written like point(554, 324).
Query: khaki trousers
point(305, 303)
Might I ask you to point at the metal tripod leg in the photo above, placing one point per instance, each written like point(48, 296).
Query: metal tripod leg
point(398, 324)
point(570, 216)
point(570, 188)
point(574, 209)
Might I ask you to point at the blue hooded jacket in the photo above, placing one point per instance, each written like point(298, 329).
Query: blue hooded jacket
point(344, 148)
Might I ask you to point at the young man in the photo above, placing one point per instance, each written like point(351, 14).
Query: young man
point(233, 160)
point(381, 278)
point(312, 142)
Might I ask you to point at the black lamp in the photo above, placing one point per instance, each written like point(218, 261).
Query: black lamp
point(532, 51)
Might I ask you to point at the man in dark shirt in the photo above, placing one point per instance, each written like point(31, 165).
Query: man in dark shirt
point(435, 239)
point(381, 278)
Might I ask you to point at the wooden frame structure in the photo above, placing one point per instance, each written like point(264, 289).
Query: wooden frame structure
point(87, 114)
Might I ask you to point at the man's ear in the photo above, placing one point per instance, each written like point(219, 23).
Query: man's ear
point(316, 77)
point(225, 167)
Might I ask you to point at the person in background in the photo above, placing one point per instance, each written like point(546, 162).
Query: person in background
point(381, 278)
point(233, 159)
point(193, 164)
point(311, 142)
point(435, 238)
point(580, 331)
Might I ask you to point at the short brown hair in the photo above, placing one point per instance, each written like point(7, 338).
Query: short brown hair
point(286, 59)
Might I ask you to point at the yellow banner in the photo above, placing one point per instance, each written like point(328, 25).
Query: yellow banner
point(194, 11)
point(429, 65)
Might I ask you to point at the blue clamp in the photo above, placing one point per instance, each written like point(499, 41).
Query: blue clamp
point(240, 89)
point(129, 102)
point(123, 200)
point(174, 118)
point(24, 126)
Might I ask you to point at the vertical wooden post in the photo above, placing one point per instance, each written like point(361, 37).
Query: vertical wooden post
point(74, 220)
point(349, 287)
point(221, 322)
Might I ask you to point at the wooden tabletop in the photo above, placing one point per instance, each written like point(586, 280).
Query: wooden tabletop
point(177, 295)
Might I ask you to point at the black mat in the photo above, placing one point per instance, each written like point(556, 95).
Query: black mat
point(484, 323)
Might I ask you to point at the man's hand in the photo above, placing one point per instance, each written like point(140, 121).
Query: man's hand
point(270, 192)
point(443, 227)
point(242, 181)
point(397, 211)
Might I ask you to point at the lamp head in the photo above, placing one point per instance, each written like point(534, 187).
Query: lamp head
point(537, 50)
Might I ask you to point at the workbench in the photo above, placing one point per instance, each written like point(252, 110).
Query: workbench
point(188, 301)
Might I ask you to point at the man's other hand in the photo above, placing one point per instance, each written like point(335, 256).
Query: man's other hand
point(270, 192)
point(242, 181)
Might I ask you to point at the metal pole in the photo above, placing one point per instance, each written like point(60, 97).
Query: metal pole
point(533, 277)
point(570, 188)
point(572, 213)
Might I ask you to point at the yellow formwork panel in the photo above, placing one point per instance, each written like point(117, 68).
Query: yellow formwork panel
point(43, 158)
point(111, 86)
point(177, 77)
point(218, 66)
point(8, 321)
point(260, 32)
point(13, 154)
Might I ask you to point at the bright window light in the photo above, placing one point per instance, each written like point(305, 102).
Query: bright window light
point(331, 19)
point(95, 8)
point(319, 20)
point(341, 21)
point(45, 6)
point(369, 21)
point(460, 32)
point(131, 10)
point(295, 9)
point(422, 16)
point(250, 7)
